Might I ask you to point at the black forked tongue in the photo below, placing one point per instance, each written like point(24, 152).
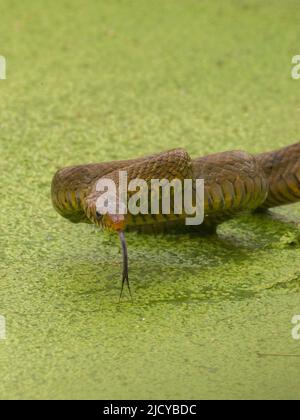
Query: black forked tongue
point(125, 265)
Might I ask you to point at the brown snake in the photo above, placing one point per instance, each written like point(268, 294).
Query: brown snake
point(235, 182)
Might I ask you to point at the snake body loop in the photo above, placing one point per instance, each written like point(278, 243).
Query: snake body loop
point(234, 181)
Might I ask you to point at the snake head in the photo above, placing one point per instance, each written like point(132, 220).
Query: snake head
point(108, 213)
point(113, 222)
point(108, 217)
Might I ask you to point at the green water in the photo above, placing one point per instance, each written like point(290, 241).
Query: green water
point(92, 80)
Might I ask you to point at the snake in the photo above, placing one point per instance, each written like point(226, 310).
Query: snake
point(235, 182)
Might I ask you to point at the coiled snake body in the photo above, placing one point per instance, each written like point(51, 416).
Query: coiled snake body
point(234, 181)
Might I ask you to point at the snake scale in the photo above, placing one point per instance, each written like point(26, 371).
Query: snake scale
point(234, 182)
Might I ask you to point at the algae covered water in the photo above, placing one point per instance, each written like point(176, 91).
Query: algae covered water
point(94, 81)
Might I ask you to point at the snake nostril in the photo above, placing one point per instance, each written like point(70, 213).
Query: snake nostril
point(98, 215)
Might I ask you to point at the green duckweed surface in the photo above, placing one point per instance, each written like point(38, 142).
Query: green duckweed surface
point(90, 81)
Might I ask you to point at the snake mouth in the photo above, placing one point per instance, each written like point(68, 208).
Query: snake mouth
point(107, 221)
point(113, 222)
